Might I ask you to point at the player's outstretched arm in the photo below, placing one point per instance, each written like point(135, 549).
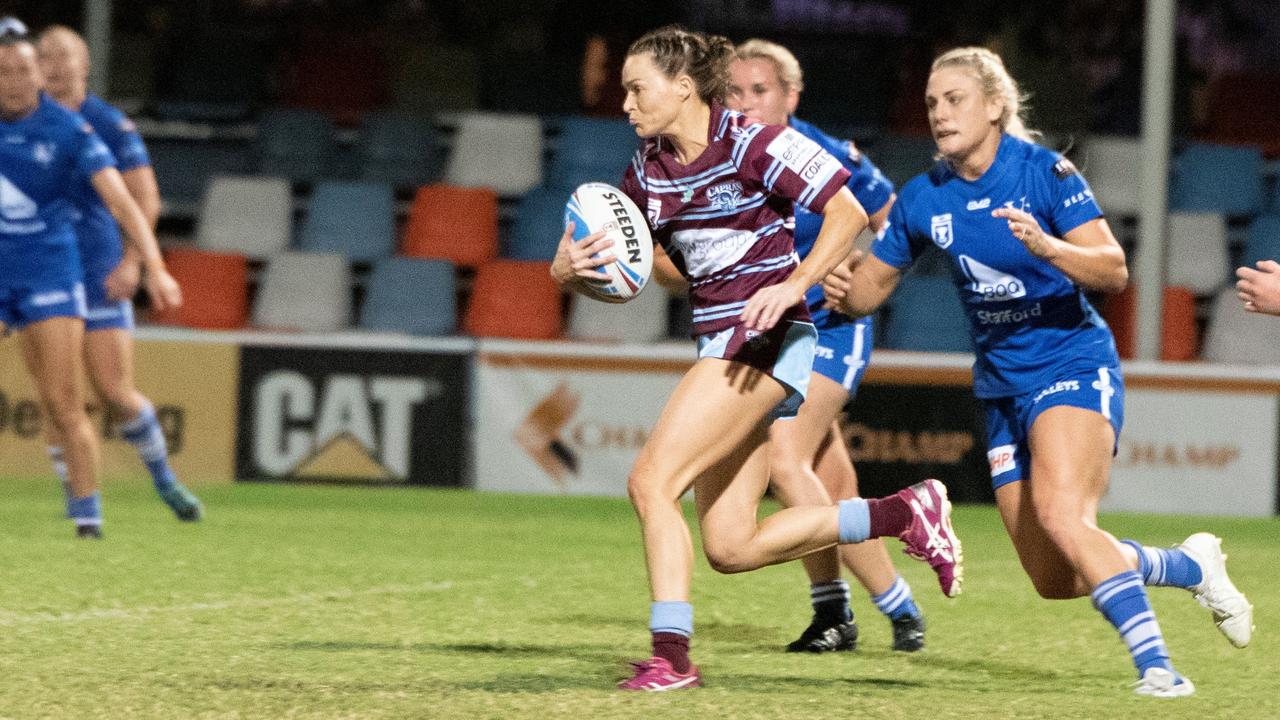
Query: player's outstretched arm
point(1088, 254)
point(161, 287)
point(860, 286)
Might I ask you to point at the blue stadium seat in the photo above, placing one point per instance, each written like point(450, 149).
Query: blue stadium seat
point(400, 149)
point(591, 149)
point(184, 168)
point(1263, 242)
point(1217, 178)
point(298, 145)
point(925, 314)
point(538, 225)
point(410, 295)
point(355, 219)
point(902, 158)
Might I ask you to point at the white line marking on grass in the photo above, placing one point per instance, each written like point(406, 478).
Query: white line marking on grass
point(232, 603)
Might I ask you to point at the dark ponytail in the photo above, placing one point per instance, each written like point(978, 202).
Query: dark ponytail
point(705, 58)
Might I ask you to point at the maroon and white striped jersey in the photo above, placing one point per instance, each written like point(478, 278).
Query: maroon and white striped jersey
point(726, 218)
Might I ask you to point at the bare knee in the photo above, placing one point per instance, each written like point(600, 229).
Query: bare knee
point(728, 557)
point(648, 493)
point(66, 416)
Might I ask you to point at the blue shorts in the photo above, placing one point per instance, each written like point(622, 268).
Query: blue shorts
point(24, 305)
point(104, 313)
point(844, 349)
point(784, 353)
point(1009, 419)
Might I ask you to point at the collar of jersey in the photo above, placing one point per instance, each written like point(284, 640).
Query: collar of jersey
point(999, 166)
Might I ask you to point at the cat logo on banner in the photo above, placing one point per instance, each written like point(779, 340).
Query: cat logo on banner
point(343, 415)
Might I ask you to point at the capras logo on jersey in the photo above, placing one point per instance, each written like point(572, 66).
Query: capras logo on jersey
point(341, 421)
point(942, 231)
point(725, 196)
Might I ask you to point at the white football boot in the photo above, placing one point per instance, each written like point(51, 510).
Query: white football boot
point(1232, 613)
point(1161, 683)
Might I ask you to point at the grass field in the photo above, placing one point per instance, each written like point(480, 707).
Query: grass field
point(325, 602)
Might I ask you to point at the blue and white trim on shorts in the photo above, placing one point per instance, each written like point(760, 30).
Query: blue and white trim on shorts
point(1009, 419)
point(843, 352)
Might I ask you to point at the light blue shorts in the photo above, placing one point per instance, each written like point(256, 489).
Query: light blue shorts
point(785, 353)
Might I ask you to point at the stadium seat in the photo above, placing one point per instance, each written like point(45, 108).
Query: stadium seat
point(1263, 240)
point(1179, 335)
point(538, 225)
point(249, 215)
point(296, 144)
point(590, 150)
point(215, 289)
point(453, 223)
point(355, 219)
point(1196, 257)
point(1113, 165)
point(901, 158)
point(304, 291)
point(514, 299)
point(1241, 109)
point(412, 296)
point(184, 169)
point(1217, 178)
point(1237, 336)
point(925, 314)
point(1179, 331)
point(500, 151)
point(642, 319)
point(399, 149)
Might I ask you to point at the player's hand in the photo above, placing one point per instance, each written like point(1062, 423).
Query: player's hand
point(766, 307)
point(835, 286)
point(1023, 226)
point(122, 281)
point(577, 261)
point(163, 290)
point(1260, 289)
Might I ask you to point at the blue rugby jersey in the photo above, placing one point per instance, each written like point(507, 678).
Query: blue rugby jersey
point(1030, 323)
point(96, 230)
point(43, 156)
point(868, 184)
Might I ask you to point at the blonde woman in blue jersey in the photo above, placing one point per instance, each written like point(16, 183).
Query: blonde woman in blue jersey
point(1026, 239)
point(809, 463)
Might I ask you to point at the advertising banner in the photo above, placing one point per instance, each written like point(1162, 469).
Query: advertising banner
point(1196, 452)
point(333, 414)
point(191, 384)
point(565, 424)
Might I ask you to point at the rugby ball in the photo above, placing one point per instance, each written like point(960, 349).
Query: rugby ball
point(599, 206)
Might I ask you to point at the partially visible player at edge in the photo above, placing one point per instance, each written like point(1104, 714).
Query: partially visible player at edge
point(48, 152)
point(111, 271)
point(1026, 238)
point(718, 192)
point(808, 461)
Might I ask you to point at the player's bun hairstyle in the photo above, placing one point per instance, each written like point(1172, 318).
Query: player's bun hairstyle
point(705, 58)
point(784, 62)
point(996, 83)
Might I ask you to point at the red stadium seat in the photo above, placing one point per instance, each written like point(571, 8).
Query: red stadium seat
point(453, 223)
point(1242, 111)
point(514, 299)
point(215, 289)
point(1179, 336)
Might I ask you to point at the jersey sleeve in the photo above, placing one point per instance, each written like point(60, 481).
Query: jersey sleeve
point(896, 246)
point(789, 165)
point(866, 182)
point(92, 155)
point(1071, 198)
point(126, 144)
